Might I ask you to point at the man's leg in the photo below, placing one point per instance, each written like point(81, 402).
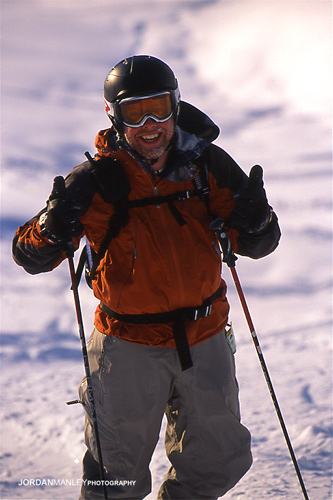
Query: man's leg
point(132, 384)
point(91, 475)
point(206, 444)
point(172, 488)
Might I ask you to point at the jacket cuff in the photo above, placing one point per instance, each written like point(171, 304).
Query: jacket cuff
point(44, 232)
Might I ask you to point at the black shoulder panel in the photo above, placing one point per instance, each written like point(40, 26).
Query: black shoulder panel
point(80, 183)
point(224, 169)
point(105, 175)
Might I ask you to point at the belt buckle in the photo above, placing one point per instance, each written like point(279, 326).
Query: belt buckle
point(199, 313)
point(208, 310)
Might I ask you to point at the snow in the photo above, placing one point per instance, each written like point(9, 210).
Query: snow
point(263, 71)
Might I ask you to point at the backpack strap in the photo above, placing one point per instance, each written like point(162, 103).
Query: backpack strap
point(112, 184)
point(117, 221)
point(201, 179)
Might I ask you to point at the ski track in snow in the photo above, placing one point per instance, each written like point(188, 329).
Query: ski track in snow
point(263, 72)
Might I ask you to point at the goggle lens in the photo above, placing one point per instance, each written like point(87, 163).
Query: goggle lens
point(135, 111)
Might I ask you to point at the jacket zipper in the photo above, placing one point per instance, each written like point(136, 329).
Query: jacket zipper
point(174, 253)
point(156, 195)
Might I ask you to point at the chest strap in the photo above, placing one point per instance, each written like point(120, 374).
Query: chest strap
point(177, 317)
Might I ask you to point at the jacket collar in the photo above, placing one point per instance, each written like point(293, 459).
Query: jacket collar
point(183, 149)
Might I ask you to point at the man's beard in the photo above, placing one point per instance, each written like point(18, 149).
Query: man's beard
point(147, 152)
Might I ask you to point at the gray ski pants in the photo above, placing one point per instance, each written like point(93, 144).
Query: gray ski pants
point(134, 386)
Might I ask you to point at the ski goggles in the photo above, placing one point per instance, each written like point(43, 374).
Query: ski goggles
point(135, 111)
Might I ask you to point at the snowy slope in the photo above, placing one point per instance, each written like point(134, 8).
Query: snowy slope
point(262, 70)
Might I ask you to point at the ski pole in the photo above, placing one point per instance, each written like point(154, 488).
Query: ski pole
point(229, 258)
point(69, 254)
point(59, 183)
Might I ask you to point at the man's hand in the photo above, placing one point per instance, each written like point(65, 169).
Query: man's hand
point(60, 223)
point(252, 212)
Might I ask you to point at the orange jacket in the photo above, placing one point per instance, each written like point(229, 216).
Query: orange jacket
point(154, 264)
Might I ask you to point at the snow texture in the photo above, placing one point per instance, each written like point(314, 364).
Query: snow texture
point(263, 71)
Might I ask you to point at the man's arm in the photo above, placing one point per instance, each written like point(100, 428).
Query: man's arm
point(242, 203)
point(33, 252)
point(39, 245)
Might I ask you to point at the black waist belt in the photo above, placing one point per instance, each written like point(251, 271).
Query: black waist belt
point(177, 317)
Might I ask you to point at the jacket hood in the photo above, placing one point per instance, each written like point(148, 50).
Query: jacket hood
point(194, 121)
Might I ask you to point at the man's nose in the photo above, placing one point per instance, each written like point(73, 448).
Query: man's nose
point(149, 123)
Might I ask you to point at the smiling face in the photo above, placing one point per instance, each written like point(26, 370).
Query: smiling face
point(151, 139)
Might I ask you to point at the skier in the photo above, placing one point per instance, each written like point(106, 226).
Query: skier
point(144, 204)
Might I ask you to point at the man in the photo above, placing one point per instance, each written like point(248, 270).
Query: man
point(145, 204)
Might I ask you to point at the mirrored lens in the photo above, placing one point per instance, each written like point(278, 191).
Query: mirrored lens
point(134, 111)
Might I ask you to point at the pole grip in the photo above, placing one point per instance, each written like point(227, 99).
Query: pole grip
point(228, 255)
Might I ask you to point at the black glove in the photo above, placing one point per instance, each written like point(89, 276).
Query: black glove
point(252, 212)
point(60, 223)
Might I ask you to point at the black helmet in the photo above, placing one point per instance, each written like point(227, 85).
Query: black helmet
point(138, 76)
